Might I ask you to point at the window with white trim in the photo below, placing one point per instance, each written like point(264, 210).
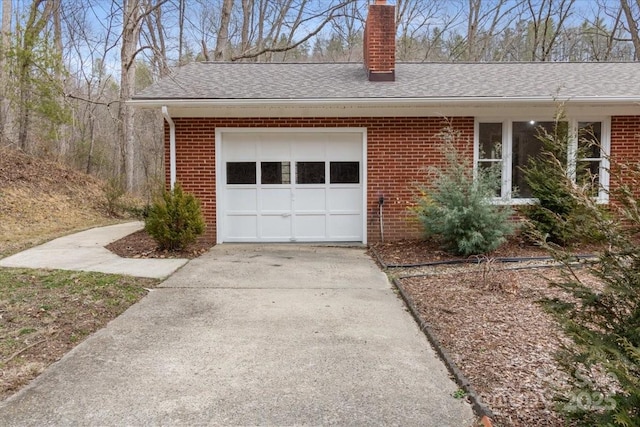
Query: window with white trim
point(507, 145)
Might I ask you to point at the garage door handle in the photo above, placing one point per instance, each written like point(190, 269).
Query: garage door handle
point(286, 215)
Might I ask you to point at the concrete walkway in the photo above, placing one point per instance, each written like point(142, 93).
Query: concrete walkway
point(253, 335)
point(85, 251)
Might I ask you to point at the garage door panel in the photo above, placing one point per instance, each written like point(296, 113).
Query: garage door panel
point(341, 227)
point(345, 199)
point(310, 227)
point(275, 150)
point(308, 150)
point(240, 150)
point(310, 199)
point(276, 227)
point(243, 227)
point(345, 147)
point(242, 200)
point(275, 200)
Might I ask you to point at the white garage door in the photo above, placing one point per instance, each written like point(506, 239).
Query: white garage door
point(299, 186)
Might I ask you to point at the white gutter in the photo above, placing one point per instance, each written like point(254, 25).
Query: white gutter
point(149, 103)
point(172, 146)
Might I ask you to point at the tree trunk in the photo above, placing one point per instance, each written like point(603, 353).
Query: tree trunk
point(35, 23)
point(130, 35)
point(62, 130)
point(247, 13)
point(181, 11)
point(5, 44)
point(633, 26)
point(220, 53)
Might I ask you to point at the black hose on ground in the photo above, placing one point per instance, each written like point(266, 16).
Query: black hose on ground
point(475, 260)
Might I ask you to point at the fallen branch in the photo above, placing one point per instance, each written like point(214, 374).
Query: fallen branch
point(19, 352)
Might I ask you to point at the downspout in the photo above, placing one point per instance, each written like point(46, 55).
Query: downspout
point(381, 217)
point(172, 146)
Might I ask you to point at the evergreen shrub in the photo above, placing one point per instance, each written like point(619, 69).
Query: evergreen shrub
point(175, 220)
point(459, 208)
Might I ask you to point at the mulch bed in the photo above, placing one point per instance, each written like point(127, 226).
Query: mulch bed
point(406, 252)
point(489, 318)
point(141, 245)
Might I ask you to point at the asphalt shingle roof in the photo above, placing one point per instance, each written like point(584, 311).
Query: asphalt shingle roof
point(247, 81)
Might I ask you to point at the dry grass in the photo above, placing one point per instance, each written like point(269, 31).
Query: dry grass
point(40, 200)
point(43, 314)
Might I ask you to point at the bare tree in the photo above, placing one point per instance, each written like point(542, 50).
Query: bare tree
point(293, 21)
point(415, 24)
point(92, 90)
point(154, 36)
point(345, 40)
point(484, 21)
point(220, 52)
point(5, 44)
point(547, 19)
point(134, 12)
point(247, 22)
point(633, 18)
point(181, 19)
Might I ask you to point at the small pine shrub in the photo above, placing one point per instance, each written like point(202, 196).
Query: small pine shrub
point(458, 208)
point(175, 220)
point(604, 324)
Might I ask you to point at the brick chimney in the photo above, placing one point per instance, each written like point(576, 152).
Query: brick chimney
point(380, 42)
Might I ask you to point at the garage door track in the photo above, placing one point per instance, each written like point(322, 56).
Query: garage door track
point(253, 335)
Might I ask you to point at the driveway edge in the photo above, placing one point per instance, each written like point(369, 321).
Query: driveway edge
point(481, 410)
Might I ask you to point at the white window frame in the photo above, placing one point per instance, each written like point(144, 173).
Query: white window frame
point(507, 153)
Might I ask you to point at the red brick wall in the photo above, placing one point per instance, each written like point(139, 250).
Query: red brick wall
point(398, 149)
point(625, 146)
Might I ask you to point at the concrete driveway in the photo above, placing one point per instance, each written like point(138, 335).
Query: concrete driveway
point(253, 335)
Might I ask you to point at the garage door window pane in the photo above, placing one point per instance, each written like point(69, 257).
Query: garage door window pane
point(241, 172)
point(310, 172)
point(275, 173)
point(345, 172)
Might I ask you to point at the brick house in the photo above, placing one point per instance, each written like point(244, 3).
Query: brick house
point(308, 152)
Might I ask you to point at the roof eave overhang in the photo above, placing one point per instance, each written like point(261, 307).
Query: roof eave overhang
point(359, 107)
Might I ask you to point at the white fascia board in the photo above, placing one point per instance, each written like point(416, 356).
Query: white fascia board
point(388, 107)
point(152, 103)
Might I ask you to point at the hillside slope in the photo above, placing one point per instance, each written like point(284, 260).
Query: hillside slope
point(41, 199)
